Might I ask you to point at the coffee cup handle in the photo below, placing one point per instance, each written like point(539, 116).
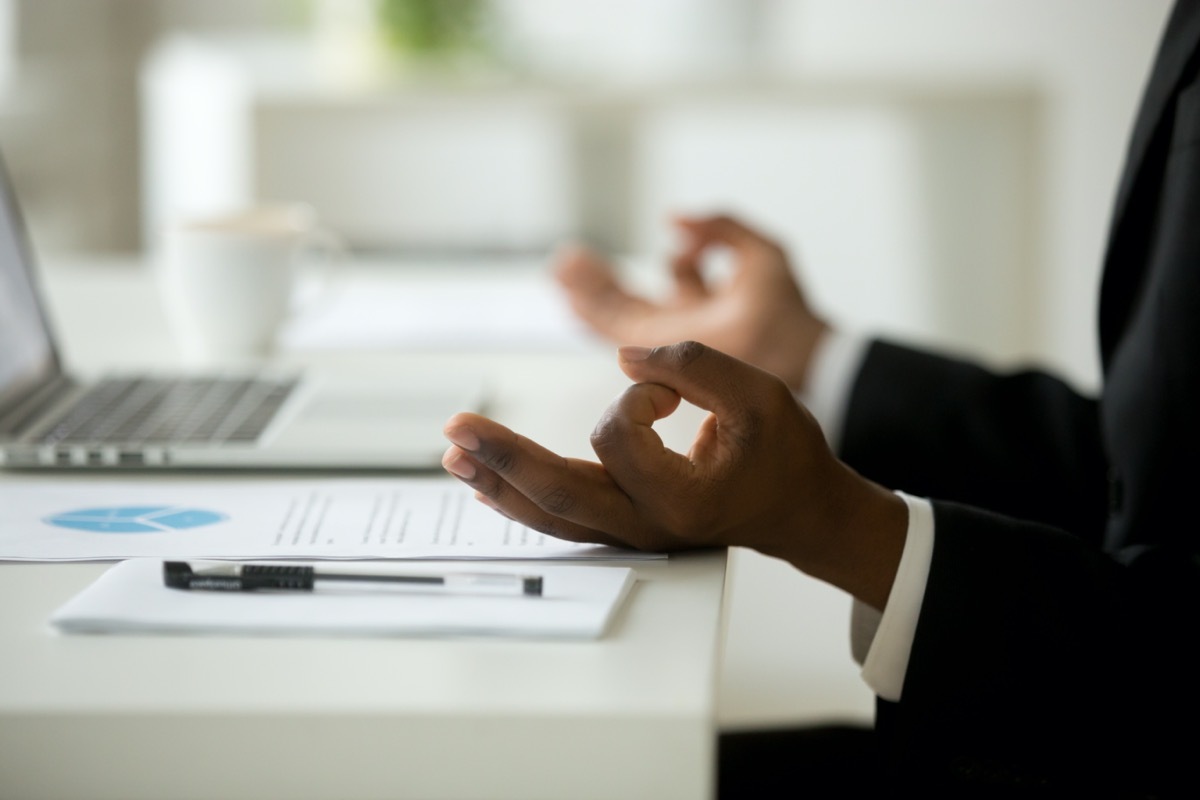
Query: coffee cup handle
point(323, 254)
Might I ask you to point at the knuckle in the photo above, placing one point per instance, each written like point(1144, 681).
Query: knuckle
point(762, 413)
point(499, 459)
point(600, 439)
point(683, 354)
point(749, 430)
point(555, 499)
point(608, 431)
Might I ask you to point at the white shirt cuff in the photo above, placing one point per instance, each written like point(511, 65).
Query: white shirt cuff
point(835, 364)
point(887, 638)
point(880, 642)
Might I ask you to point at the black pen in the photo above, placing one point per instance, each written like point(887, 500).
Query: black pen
point(228, 576)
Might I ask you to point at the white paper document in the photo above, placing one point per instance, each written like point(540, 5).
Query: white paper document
point(300, 518)
point(577, 602)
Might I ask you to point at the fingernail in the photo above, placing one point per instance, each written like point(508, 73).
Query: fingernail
point(464, 438)
point(457, 465)
point(633, 353)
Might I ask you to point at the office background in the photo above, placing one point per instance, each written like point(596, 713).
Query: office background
point(941, 169)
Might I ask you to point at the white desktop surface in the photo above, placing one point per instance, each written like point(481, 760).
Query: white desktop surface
point(630, 715)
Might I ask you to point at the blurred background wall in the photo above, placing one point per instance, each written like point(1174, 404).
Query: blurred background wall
point(940, 169)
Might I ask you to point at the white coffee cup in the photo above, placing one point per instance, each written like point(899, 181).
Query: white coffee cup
point(229, 282)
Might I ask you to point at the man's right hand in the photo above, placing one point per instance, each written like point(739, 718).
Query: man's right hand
point(760, 315)
point(759, 474)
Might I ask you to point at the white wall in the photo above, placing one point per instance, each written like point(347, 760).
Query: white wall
point(1088, 57)
point(69, 125)
point(1004, 269)
point(73, 134)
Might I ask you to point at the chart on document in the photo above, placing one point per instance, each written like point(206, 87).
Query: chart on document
point(298, 518)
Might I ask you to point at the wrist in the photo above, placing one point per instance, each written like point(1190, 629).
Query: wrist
point(856, 540)
point(804, 345)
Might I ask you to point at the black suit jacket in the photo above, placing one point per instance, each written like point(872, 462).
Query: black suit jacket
point(1057, 636)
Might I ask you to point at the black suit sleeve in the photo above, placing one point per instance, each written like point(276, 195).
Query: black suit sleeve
point(1057, 638)
point(1024, 444)
point(1040, 661)
point(1042, 658)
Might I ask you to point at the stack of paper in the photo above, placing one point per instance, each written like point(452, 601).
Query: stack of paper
point(386, 521)
point(577, 602)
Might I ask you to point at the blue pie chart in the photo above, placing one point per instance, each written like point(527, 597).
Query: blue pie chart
point(135, 519)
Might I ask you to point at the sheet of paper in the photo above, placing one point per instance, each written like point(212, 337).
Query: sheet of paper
point(577, 602)
point(404, 518)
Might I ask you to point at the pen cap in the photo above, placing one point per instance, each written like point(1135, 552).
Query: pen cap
point(177, 574)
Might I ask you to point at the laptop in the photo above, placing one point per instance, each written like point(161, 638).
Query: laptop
point(50, 419)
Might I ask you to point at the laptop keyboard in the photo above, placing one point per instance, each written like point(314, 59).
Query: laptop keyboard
point(154, 411)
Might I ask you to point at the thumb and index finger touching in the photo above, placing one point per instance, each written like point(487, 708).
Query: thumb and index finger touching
point(757, 256)
point(625, 440)
point(595, 292)
point(718, 229)
point(703, 376)
point(733, 391)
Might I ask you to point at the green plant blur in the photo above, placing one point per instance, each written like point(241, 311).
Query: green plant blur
point(432, 27)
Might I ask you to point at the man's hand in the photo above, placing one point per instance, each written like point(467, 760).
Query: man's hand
point(759, 315)
point(758, 475)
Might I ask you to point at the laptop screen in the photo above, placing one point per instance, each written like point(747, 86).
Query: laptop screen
point(27, 353)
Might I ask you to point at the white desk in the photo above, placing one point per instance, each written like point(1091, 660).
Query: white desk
point(629, 716)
